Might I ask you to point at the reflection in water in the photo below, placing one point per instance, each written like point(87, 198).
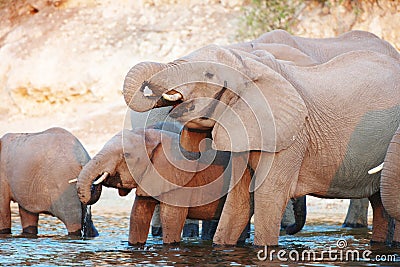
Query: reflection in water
point(52, 247)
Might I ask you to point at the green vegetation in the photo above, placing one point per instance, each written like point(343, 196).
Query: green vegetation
point(265, 15)
point(261, 16)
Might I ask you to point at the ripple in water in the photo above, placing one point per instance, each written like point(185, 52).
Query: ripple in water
point(53, 248)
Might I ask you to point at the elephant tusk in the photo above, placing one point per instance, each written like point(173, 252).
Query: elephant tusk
point(101, 179)
point(175, 97)
point(73, 181)
point(376, 169)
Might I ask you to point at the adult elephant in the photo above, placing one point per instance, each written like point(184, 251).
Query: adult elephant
point(304, 51)
point(304, 130)
point(35, 170)
point(311, 51)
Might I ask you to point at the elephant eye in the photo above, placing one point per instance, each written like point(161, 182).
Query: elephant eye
point(127, 155)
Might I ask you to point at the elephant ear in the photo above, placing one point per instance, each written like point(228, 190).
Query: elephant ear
point(169, 168)
point(267, 115)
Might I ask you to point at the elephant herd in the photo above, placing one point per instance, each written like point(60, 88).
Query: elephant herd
point(226, 133)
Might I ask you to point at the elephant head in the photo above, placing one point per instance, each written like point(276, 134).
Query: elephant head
point(140, 156)
point(212, 88)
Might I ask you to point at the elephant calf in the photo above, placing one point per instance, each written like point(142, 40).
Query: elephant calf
point(151, 161)
point(34, 172)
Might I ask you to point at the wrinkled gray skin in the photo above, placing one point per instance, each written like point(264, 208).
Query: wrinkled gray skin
point(391, 174)
point(34, 172)
point(357, 214)
point(293, 219)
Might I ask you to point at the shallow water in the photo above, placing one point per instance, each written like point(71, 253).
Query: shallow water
point(53, 248)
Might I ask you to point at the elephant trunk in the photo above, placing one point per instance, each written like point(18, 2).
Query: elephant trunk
point(300, 214)
point(88, 192)
point(390, 178)
point(139, 94)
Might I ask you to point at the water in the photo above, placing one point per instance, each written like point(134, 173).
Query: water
point(53, 248)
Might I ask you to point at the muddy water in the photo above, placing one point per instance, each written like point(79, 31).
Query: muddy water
point(53, 248)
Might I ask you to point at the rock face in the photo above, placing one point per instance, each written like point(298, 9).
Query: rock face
point(54, 52)
point(57, 52)
point(335, 17)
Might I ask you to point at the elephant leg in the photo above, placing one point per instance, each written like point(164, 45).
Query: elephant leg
point(244, 235)
point(29, 221)
point(382, 224)
point(172, 220)
point(357, 214)
point(236, 212)
point(276, 178)
point(142, 211)
point(208, 229)
point(156, 229)
point(191, 228)
point(396, 236)
point(5, 211)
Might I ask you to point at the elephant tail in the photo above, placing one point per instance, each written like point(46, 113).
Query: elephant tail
point(300, 214)
point(390, 177)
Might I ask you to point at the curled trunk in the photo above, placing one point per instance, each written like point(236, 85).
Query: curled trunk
point(139, 94)
point(87, 192)
point(390, 178)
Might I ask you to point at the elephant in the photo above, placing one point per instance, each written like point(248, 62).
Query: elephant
point(35, 170)
point(303, 130)
point(126, 158)
point(310, 51)
point(126, 162)
point(295, 213)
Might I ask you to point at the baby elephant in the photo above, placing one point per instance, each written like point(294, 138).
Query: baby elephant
point(34, 172)
point(192, 185)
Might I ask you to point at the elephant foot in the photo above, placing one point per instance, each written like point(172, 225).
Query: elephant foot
point(156, 231)
point(5, 231)
point(76, 233)
point(30, 230)
point(191, 230)
point(138, 244)
point(172, 244)
point(380, 243)
point(354, 225)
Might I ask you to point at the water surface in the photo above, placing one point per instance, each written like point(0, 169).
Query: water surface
point(53, 248)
